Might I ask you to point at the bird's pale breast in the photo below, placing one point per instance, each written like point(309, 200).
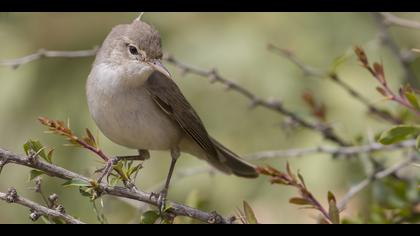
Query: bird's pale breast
point(127, 115)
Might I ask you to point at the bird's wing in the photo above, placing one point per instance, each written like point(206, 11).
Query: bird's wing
point(170, 99)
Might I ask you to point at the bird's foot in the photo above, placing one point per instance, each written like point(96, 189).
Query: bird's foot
point(161, 200)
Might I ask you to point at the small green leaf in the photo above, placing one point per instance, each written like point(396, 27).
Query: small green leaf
point(398, 133)
point(35, 173)
point(301, 179)
point(299, 201)
point(114, 181)
point(119, 166)
point(168, 207)
point(331, 197)
point(249, 214)
point(76, 183)
point(133, 169)
point(340, 60)
point(86, 192)
point(34, 146)
point(411, 97)
point(90, 139)
point(26, 148)
point(99, 212)
point(49, 156)
point(289, 172)
point(333, 212)
point(149, 217)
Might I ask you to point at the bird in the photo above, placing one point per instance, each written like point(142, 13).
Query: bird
point(136, 103)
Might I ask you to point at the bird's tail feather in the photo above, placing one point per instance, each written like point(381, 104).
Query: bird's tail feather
point(229, 162)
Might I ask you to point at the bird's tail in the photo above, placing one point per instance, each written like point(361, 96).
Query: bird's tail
point(229, 162)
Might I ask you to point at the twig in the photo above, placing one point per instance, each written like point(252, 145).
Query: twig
point(316, 72)
point(89, 143)
point(391, 19)
point(43, 53)
point(326, 131)
point(355, 189)
point(378, 72)
point(335, 151)
point(306, 198)
point(37, 210)
point(150, 198)
point(289, 55)
point(374, 110)
point(404, 59)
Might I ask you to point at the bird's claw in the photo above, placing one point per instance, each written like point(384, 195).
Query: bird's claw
point(161, 201)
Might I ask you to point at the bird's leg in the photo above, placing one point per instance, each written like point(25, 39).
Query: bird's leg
point(162, 195)
point(106, 171)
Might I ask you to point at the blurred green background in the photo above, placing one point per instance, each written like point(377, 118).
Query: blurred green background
point(235, 44)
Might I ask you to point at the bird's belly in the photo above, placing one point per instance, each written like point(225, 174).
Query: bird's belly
point(131, 118)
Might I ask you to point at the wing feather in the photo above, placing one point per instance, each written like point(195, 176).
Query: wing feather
point(170, 99)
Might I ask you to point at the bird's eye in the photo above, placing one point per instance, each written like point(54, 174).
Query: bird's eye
point(133, 50)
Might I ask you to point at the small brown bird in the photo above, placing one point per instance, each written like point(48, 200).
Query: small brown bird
point(136, 104)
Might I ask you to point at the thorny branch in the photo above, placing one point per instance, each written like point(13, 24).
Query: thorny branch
point(59, 172)
point(355, 189)
point(316, 72)
point(377, 71)
point(43, 53)
point(391, 19)
point(306, 198)
point(334, 151)
point(326, 131)
point(404, 58)
point(37, 210)
point(89, 143)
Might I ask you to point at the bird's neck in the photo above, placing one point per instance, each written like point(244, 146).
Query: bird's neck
point(120, 76)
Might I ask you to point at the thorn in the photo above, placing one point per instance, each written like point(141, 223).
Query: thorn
point(42, 52)
point(139, 17)
point(34, 156)
point(38, 182)
point(232, 219)
point(212, 78)
point(11, 195)
point(60, 208)
point(34, 216)
point(228, 86)
point(254, 103)
point(53, 198)
point(2, 164)
point(215, 218)
point(274, 102)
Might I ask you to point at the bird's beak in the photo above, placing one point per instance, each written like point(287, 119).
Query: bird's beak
point(157, 65)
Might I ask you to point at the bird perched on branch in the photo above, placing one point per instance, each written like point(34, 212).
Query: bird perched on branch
point(136, 103)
